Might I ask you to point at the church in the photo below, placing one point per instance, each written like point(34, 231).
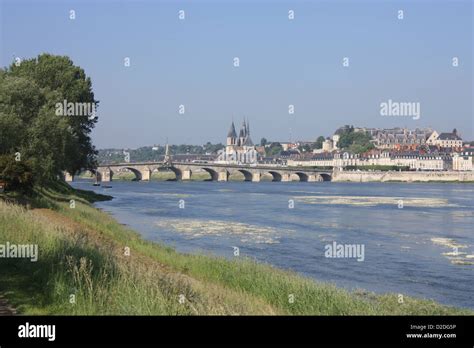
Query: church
point(239, 149)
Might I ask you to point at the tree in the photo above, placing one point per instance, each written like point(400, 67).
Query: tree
point(319, 142)
point(274, 149)
point(29, 124)
point(60, 80)
point(355, 142)
point(263, 142)
point(304, 148)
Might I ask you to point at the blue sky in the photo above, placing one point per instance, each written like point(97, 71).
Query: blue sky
point(282, 62)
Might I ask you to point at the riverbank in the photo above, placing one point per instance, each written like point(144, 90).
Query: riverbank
point(90, 264)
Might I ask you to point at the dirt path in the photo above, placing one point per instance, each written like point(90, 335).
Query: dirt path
point(5, 307)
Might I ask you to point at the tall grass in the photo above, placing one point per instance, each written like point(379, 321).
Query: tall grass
point(83, 269)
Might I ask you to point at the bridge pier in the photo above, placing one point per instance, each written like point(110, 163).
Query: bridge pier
point(223, 176)
point(106, 175)
point(97, 176)
point(256, 177)
point(285, 177)
point(313, 178)
point(146, 174)
point(186, 174)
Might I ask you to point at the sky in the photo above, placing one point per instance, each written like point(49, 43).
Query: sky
point(283, 62)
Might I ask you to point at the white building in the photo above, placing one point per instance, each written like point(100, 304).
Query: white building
point(412, 161)
point(463, 161)
point(446, 140)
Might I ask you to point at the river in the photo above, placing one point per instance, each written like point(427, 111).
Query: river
point(417, 239)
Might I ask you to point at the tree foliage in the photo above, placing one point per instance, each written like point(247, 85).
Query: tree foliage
point(306, 147)
point(274, 149)
point(319, 142)
point(355, 142)
point(16, 174)
point(49, 143)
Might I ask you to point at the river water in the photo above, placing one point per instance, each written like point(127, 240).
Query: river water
point(417, 239)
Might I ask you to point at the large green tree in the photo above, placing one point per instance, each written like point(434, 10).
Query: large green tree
point(29, 124)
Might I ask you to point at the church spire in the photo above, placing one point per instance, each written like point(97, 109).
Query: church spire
point(167, 159)
point(232, 133)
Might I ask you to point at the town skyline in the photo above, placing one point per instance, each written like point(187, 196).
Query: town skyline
point(295, 140)
point(349, 146)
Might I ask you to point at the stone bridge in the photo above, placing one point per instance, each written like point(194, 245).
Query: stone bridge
point(218, 172)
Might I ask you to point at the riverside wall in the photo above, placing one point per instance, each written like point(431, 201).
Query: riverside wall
point(380, 176)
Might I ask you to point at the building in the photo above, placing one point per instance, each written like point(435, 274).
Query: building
point(239, 149)
point(328, 146)
point(388, 138)
point(416, 161)
point(463, 161)
point(335, 140)
point(288, 145)
point(447, 140)
point(411, 160)
point(397, 137)
point(431, 140)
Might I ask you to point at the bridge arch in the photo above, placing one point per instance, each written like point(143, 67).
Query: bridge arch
point(325, 177)
point(212, 172)
point(275, 175)
point(138, 174)
point(177, 172)
point(247, 174)
point(303, 177)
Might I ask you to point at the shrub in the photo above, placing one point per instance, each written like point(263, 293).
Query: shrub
point(17, 175)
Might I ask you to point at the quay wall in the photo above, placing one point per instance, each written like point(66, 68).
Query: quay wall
point(379, 176)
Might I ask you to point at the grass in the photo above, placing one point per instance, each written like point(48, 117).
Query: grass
point(82, 257)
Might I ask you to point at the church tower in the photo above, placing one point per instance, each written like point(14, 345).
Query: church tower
point(231, 136)
point(243, 134)
point(239, 148)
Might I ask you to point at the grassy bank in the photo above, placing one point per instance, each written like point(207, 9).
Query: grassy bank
point(83, 252)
